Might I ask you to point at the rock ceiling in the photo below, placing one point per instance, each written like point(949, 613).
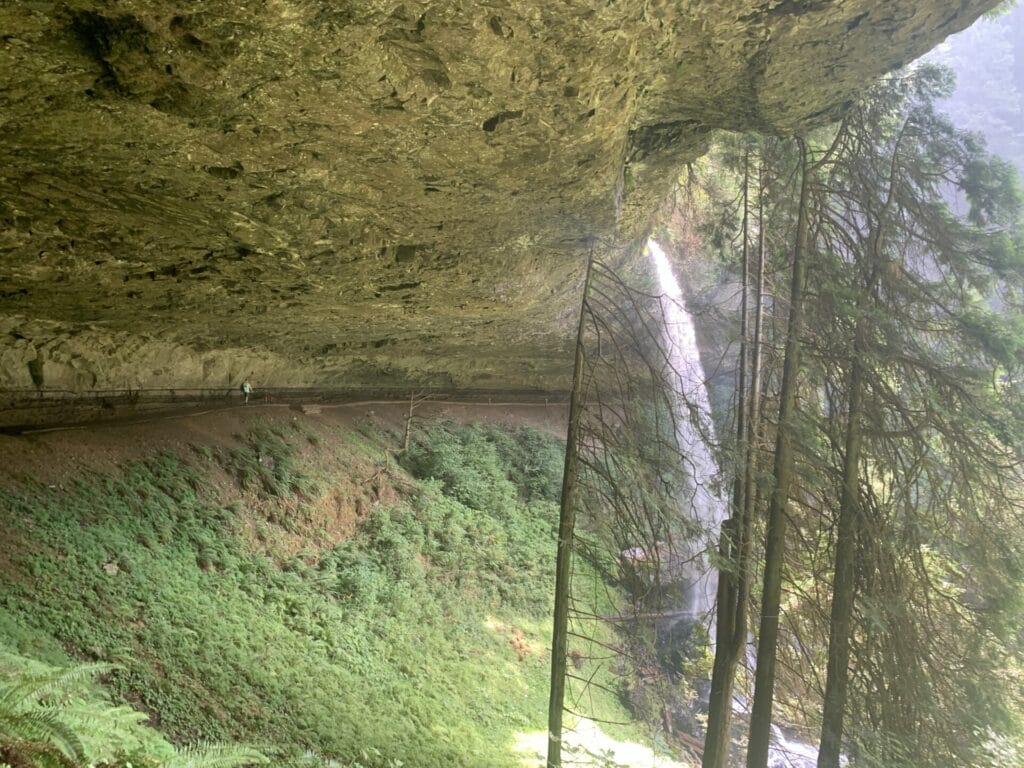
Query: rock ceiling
point(371, 193)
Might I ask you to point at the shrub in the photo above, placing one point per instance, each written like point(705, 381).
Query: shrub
point(466, 463)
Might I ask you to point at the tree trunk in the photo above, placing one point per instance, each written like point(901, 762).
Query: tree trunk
point(753, 438)
point(764, 680)
point(566, 526)
point(843, 582)
point(727, 651)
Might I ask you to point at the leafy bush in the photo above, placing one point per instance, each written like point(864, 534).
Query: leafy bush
point(534, 461)
point(486, 467)
point(466, 463)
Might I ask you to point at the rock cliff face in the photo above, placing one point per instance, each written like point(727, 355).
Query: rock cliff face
point(375, 193)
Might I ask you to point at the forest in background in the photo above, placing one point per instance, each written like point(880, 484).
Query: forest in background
point(873, 550)
point(987, 59)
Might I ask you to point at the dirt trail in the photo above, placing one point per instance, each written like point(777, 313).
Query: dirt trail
point(57, 454)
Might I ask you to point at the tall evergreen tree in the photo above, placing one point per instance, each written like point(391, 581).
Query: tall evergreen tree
point(897, 460)
point(764, 681)
point(915, 210)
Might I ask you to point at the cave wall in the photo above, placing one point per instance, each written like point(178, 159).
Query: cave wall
point(372, 194)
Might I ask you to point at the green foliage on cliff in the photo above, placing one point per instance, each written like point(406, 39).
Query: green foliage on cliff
point(418, 640)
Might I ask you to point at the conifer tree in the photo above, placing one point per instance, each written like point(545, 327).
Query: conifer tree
point(897, 451)
point(918, 211)
point(912, 214)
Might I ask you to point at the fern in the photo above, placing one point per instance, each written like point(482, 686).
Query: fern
point(31, 726)
point(24, 683)
point(215, 756)
point(45, 723)
point(41, 718)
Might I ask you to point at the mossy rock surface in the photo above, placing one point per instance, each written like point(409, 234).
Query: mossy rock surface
point(373, 193)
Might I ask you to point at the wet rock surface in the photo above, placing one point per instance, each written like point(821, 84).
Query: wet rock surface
point(377, 193)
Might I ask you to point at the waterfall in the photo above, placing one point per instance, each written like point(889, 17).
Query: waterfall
point(695, 431)
point(791, 753)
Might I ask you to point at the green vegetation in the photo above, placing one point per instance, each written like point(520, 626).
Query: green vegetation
point(51, 717)
point(418, 640)
point(883, 473)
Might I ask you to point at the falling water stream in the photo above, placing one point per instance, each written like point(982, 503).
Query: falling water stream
point(695, 433)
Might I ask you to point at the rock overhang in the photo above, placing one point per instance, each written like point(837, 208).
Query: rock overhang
point(376, 193)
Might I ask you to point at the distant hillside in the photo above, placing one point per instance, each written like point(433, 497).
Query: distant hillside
point(988, 60)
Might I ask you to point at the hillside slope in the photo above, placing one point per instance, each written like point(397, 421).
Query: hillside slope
point(267, 577)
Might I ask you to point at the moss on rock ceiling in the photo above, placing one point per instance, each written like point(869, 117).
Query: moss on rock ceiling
point(377, 193)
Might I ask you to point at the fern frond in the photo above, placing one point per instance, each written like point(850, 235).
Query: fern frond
point(35, 754)
point(41, 712)
point(42, 725)
point(101, 718)
point(22, 686)
point(215, 756)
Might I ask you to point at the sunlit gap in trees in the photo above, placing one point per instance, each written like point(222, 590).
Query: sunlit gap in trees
point(585, 744)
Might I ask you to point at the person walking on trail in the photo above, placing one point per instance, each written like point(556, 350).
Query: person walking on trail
point(246, 390)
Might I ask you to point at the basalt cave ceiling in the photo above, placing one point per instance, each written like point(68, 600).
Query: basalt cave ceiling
point(378, 193)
